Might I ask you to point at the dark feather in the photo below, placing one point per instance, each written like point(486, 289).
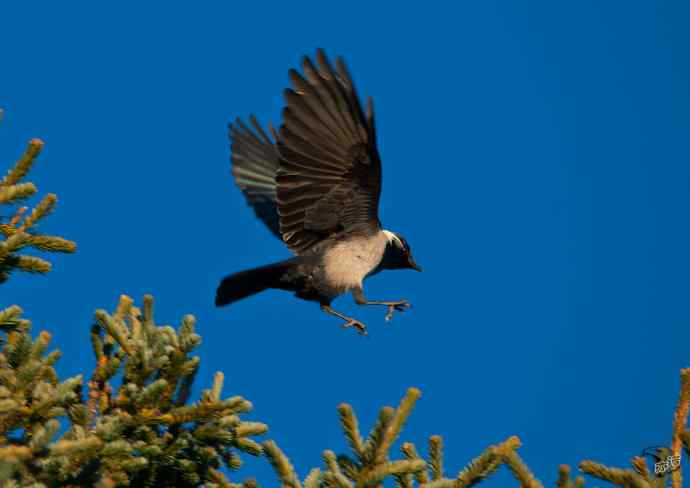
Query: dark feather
point(254, 166)
point(250, 282)
point(329, 173)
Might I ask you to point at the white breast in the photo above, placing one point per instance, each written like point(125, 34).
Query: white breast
point(351, 260)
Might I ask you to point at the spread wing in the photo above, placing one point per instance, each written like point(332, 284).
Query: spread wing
point(329, 175)
point(254, 165)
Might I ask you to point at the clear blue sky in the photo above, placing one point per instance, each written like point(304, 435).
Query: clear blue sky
point(536, 156)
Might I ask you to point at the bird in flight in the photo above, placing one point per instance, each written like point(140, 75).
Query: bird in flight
point(316, 184)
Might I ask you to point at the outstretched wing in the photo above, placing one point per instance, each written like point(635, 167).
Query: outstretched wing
point(329, 175)
point(254, 166)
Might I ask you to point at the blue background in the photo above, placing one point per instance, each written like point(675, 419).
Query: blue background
point(535, 156)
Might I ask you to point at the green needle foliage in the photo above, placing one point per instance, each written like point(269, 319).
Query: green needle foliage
point(19, 231)
point(368, 463)
point(143, 433)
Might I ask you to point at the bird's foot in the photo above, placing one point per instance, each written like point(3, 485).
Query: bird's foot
point(400, 306)
point(361, 328)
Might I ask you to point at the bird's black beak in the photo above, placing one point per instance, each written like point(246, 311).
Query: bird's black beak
point(413, 265)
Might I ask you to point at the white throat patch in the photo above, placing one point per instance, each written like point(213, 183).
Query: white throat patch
point(392, 237)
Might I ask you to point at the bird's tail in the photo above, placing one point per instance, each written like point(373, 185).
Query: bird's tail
point(252, 281)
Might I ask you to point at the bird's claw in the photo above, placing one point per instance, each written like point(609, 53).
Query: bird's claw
point(361, 328)
point(399, 306)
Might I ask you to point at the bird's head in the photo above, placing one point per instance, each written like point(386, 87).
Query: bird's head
point(398, 254)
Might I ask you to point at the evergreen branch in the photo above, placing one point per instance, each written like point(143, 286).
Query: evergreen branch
point(442, 483)
point(246, 429)
point(520, 470)
point(74, 447)
point(685, 439)
point(395, 425)
point(24, 164)
point(185, 388)
point(17, 217)
point(39, 347)
point(350, 467)
point(640, 466)
point(313, 479)
point(10, 318)
point(281, 465)
point(376, 435)
point(30, 264)
point(563, 477)
point(436, 457)
point(249, 446)
point(15, 454)
point(217, 386)
point(333, 473)
point(114, 329)
point(53, 244)
point(350, 426)
point(148, 309)
point(97, 342)
point(410, 452)
point(137, 437)
point(394, 468)
point(403, 481)
point(123, 307)
point(13, 243)
point(16, 193)
point(478, 469)
point(486, 463)
point(9, 228)
point(621, 477)
point(44, 207)
point(16, 234)
point(680, 419)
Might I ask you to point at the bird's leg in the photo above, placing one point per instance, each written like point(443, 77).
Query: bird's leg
point(399, 305)
point(349, 321)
